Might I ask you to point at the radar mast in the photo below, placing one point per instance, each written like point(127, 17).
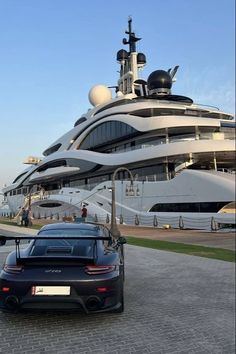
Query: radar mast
point(130, 62)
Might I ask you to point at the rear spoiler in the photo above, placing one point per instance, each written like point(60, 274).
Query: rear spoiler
point(18, 239)
point(67, 260)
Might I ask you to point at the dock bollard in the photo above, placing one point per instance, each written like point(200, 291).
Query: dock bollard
point(213, 224)
point(155, 222)
point(181, 222)
point(136, 220)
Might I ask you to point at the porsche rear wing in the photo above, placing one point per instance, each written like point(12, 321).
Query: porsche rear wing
point(33, 259)
point(17, 239)
point(60, 260)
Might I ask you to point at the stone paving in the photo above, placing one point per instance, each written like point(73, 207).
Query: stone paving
point(174, 304)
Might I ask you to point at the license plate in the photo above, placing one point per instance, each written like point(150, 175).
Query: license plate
point(50, 290)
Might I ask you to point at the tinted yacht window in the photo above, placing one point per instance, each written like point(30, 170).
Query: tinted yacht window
point(51, 150)
point(18, 177)
point(79, 121)
point(106, 133)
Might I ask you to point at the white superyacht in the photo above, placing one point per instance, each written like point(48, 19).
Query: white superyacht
point(181, 154)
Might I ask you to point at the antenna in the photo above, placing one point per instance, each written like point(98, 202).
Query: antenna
point(173, 72)
point(132, 39)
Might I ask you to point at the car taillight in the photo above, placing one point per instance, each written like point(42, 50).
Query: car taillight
point(103, 289)
point(5, 289)
point(13, 269)
point(94, 269)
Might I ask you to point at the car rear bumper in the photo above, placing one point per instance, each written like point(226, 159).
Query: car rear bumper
point(83, 297)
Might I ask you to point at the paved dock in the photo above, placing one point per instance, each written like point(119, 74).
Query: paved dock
point(174, 303)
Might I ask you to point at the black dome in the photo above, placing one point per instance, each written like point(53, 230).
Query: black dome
point(122, 54)
point(159, 79)
point(141, 58)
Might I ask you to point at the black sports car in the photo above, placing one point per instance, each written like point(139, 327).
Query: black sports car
point(65, 266)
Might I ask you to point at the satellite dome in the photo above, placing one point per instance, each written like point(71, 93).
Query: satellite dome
point(141, 59)
point(99, 94)
point(121, 55)
point(159, 82)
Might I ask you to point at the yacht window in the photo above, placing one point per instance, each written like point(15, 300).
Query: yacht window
point(50, 205)
point(51, 150)
point(152, 112)
point(79, 121)
point(52, 165)
point(25, 190)
point(148, 173)
point(106, 133)
point(18, 177)
point(202, 207)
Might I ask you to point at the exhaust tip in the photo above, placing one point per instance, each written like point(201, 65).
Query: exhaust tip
point(12, 302)
point(93, 303)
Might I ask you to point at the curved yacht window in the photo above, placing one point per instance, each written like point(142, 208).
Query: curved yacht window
point(52, 165)
point(52, 149)
point(227, 116)
point(79, 121)
point(152, 112)
point(18, 177)
point(106, 133)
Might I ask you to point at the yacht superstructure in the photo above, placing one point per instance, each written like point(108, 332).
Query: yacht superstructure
point(181, 154)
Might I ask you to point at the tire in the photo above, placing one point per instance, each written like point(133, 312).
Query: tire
point(121, 308)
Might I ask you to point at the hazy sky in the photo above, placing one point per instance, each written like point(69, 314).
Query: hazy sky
point(53, 51)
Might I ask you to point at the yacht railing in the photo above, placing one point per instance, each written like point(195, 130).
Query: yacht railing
point(178, 139)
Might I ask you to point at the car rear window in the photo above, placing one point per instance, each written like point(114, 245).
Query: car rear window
point(75, 248)
point(69, 247)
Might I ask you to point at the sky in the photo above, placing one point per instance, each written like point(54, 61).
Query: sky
point(53, 51)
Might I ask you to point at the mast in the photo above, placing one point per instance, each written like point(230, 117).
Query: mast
point(130, 62)
point(132, 39)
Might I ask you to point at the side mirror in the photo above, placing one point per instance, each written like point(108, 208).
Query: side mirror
point(122, 240)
